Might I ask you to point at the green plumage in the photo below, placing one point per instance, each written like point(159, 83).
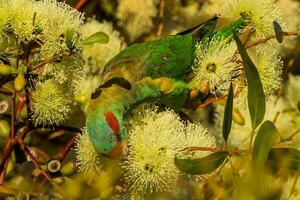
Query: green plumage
point(170, 56)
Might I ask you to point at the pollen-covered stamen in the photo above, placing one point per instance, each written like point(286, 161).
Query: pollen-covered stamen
point(211, 67)
point(214, 65)
point(258, 15)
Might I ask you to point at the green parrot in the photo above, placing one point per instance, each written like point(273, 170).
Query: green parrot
point(149, 71)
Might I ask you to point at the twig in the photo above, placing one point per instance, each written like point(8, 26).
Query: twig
point(210, 101)
point(10, 143)
point(252, 44)
point(201, 149)
point(290, 137)
point(63, 153)
point(79, 6)
point(2, 175)
point(55, 127)
point(161, 18)
point(13, 115)
point(37, 166)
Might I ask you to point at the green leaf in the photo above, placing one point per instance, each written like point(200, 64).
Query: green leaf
point(284, 158)
point(228, 114)
point(203, 165)
point(256, 96)
point(98, 37)
point(266, 136)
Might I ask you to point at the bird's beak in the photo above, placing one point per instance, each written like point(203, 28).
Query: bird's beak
point(118, 150)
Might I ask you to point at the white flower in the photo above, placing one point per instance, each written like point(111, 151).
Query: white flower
point(269, 67)
point(50, 103)
point(259, 14)
point(46, 20)
point(96, 56)
point(68, 71)
point(276, 111)
point(153, 138)
point(87, 158)
point(197, 136)
point(214, 64)
point(59, 19)
point(137, 16)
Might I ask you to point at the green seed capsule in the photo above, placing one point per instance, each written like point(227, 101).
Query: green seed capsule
point(4, 128)
point(67, 169)
point(20, 82)
point(3, 106)
point(238, 117)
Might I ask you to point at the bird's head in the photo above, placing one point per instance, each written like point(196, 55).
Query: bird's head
point(105, 133)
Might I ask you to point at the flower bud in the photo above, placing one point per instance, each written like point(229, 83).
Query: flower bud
point(238, 117)
point(3, 106)
point(4, 128)
point(20, 82)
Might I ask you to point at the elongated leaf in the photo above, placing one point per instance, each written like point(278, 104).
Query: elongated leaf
point(266, 136)
point(98, 37)
point(203, 165)
point(228, 114)
point(284, 158)
point(256, 96)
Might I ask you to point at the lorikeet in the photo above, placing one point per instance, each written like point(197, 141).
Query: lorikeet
point(144, 72)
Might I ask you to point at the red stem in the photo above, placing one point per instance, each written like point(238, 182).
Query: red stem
point(79, 6)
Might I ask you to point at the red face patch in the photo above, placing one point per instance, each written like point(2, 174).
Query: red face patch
point(113, 122)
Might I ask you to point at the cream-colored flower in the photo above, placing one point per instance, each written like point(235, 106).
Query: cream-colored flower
point(214, 64)
point(136, 16)
point(269, 66)
point(277, 110)
point(197, 136)
point(63, 19)
point(50, 103)
point(96, 56)
point(45, 20)
point(87, 158)
point(4, 14)
point(68, 71)
point(259, 14)
point(24, 17)
point(153, 140)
